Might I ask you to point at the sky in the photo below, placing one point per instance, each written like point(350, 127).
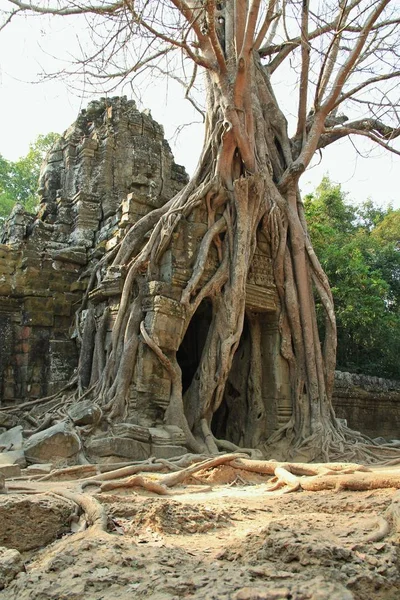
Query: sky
point(31, 105)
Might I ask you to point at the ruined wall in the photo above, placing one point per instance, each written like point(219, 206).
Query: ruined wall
point(369, 404)
point(108, 169)
point(37, 300)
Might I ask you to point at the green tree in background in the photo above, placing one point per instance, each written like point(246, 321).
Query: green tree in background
point(359, 248)
point(19, 179)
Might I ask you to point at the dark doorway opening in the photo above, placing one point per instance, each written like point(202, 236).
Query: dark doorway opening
point(191, 348)
point(230, 420)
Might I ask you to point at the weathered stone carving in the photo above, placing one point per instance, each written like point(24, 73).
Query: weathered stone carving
point(108, 169)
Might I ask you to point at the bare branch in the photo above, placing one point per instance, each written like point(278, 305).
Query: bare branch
point(192, 18)
point(283, 50)
point(134, 69)
point(373, 129)
point(179, 44)
point(105, 9)
point(305, 66)
point(269, 17)
point(187, 87)
point(212, 35)
point(9, 18)
point(251, 22)
point(330, 58)
point(351, 93)
point(353, 57)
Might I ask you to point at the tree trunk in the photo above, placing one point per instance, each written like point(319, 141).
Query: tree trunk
point(235, 191)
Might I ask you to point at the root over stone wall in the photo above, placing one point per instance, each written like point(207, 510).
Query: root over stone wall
point(107, 171)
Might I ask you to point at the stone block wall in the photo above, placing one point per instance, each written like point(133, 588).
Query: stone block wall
point(369, 404)
point(37, 356)
point(109, 168)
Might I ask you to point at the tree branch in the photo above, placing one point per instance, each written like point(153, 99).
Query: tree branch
point(179, 44)
point(330, 58)
point(193, 20)
point(250, 28)
point(212, 35)
point(351, 93)
point(353, 57)
point(305, 66)
point(269, 17)
point(373, 129)
point(105, 9)
point(136, 67)
point(9, 18)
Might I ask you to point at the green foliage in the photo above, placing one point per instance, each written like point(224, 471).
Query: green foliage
point(359, 249)
point(19, 180)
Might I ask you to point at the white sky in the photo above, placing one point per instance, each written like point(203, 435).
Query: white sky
point(29, 107)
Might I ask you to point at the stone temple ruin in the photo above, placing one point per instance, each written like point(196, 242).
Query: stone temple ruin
point(111, 167)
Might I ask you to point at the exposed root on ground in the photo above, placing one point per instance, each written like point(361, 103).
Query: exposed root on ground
point(306, 476)
point(95, 513)
point(331, 442)
point(198, 474)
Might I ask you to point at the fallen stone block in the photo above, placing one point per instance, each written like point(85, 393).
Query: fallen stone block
point(13, 457)
point(33, 522)
point(10, 471)
point(11, 439)
point(118, 446)
point(58, 441)
point(167, 451)
point(128, 430)
point(84, 413)
point(11, 563)
point(8, 420)
point(38, 469)
point(73, 254)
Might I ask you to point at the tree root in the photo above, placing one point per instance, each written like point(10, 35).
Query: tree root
point(117, 471)
point(286, 477)
point(268, 467)
point(381, 532)
point(162, 484)
point(74, 472)
point(355, 482)
point(119, 474)
point(44, 400)
point(179, 477)
point(95, 513)
point(331, 442)
point(283, 477)
point(136, 481)
point(393, 513)
point(388, 523)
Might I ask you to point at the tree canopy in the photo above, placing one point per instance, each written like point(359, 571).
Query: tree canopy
point(19, 179)
point(359, 249)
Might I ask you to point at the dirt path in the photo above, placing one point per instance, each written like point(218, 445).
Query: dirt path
point(235, 542)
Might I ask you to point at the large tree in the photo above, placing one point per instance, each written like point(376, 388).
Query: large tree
point(343, 55)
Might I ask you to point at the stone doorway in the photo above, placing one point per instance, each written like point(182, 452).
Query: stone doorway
point(191, 348)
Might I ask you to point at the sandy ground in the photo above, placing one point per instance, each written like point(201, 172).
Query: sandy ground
point(235, 542)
